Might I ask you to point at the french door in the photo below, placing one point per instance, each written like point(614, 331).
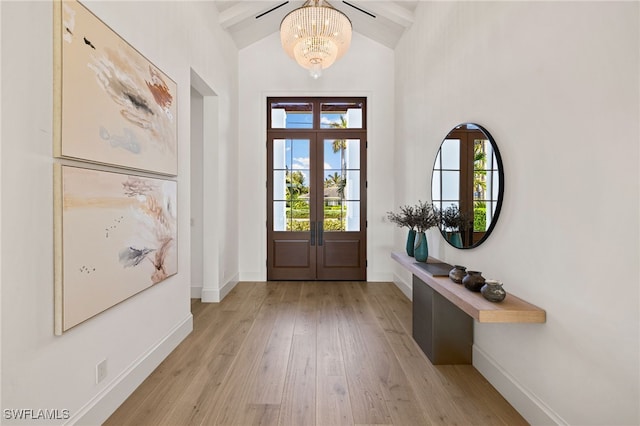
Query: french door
point(316, 189)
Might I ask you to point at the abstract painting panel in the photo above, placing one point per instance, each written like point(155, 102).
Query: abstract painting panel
point(112, 105)
point(115, 236)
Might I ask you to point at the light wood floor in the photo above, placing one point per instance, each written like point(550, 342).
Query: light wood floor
point(309, 353)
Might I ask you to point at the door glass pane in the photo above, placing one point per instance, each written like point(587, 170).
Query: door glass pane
point(341, 115)
point(494, 184)
point(450, 185)
point(291, 115)
point(352, 215)
point(297, 155)
point(341, 154)
point(333, 154)
point(280, 219)
point(333, 187)
point(480, 185)
point(279, 185)
point(342, 216)
point(333, 215)
point(352, 154)
point(341, 185)
point(480, 215)
point(291, 184)
point(298, 212)
point(352, 185)
point(435, 185)
point(450, 154)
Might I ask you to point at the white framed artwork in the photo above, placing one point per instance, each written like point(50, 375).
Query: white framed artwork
point(111, 105)
point(115, 236)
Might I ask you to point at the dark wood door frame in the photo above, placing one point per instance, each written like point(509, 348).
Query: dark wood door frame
point(317, 254)
point(290, 254)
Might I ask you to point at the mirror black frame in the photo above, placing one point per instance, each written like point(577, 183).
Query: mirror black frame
point(500, 172)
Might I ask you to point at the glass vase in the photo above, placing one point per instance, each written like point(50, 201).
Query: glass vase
point(411, 242)
point(421, 250)
point(455, 239)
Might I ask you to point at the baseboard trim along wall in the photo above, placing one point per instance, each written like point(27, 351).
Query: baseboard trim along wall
point(379, 276)
point(99, 408)
point(229, 286)
point(526, 403)
point(216, 295)
point(405, 288)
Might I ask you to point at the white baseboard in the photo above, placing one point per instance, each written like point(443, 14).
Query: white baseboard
point(254, 276)
point(216, 295)
point(526, 403)
point(404, 287)
point(379, 276)
point(230, 284)
point(99, 408)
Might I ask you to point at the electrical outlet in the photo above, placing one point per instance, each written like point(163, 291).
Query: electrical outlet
point(101, 371)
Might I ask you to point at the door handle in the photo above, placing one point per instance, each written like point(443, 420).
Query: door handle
point(320, 232)
point(313, 233)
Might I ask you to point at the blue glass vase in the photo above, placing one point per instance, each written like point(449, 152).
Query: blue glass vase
point(411, 241)
point(421, 250)
point(455, 239)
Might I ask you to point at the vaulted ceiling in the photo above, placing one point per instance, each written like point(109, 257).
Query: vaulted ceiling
point(249, 21)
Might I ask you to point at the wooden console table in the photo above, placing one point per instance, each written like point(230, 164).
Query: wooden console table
point(443, 312)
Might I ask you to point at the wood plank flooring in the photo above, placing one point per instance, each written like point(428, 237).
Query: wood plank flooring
point(309, 353)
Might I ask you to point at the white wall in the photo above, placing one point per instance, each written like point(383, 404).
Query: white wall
point(40, 370)
point(556, 83)
point(265, 70)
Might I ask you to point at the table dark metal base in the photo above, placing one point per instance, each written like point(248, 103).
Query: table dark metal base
point(442, 330)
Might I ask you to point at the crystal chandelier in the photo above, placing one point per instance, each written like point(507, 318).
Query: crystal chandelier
point(315, 35)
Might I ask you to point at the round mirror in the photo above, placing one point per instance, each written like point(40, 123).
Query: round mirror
point(467, 185)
